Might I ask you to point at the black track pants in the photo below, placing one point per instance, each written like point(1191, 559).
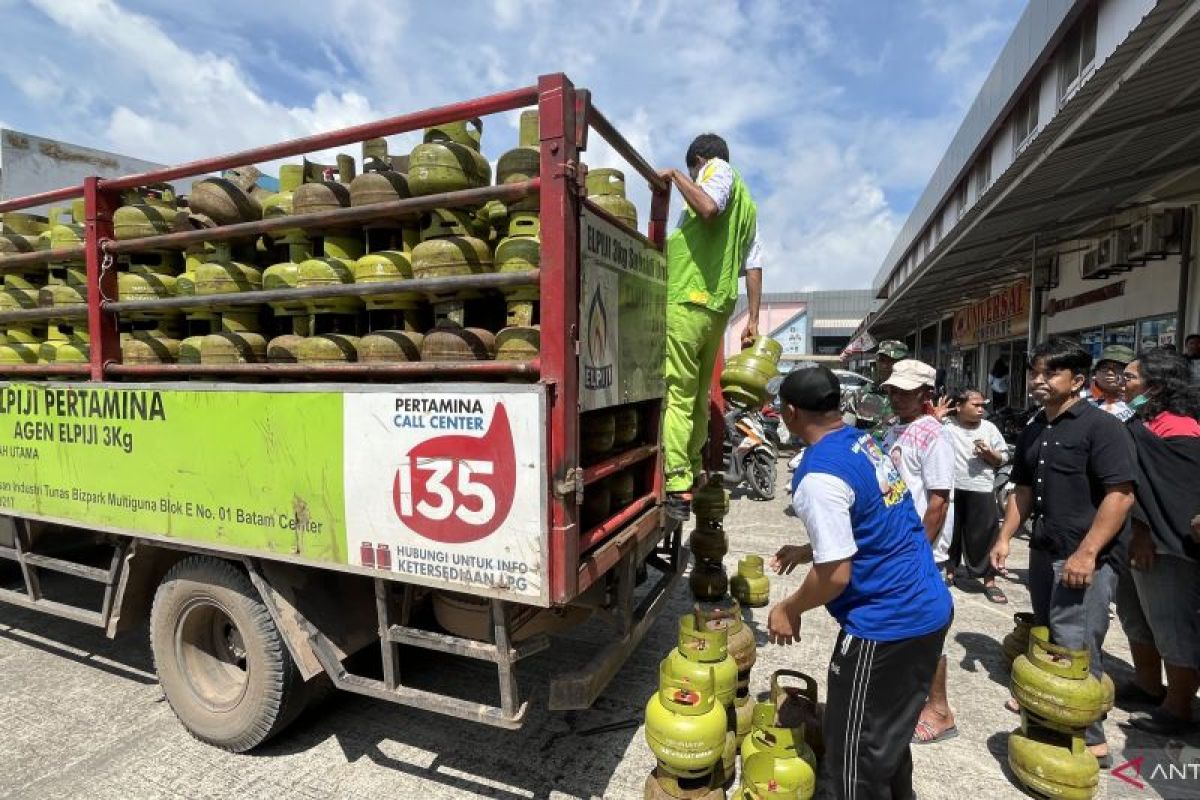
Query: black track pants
point(875, 695)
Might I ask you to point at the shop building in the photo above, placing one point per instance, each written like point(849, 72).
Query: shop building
point(1066, 202)
point(811, 326)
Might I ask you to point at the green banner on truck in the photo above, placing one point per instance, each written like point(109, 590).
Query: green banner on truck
point(418, 481)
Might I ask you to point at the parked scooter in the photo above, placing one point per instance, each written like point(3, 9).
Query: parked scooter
point(750, 455)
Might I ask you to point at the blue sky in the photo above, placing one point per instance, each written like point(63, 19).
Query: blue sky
point(836, 112)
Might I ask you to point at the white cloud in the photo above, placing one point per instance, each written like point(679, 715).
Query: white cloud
point(821, 164)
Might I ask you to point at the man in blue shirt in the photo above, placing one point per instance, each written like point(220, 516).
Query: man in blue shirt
point(873, 570)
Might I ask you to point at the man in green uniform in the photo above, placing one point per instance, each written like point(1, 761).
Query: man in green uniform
point(890, 351)
point(715, 243)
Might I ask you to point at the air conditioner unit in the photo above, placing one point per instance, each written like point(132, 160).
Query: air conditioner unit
point(1109, 257)
point(1151, 238)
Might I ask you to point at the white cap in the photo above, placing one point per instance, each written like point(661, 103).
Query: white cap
point(911, 374)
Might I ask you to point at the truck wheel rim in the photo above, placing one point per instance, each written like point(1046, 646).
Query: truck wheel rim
point(211, 654)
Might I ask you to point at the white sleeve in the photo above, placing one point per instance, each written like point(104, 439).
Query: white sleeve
point(937, 468)
point(753, 256)
point(822, 502)
point(716, 179)
point(996, 441)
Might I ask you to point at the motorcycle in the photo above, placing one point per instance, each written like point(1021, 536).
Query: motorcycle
point(750, 455)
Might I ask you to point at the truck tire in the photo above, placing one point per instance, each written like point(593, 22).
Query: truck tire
point(222, 664)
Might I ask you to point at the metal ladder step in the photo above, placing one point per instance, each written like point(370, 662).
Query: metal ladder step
point(33, 597)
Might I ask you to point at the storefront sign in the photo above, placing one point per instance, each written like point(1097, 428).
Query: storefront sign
point(1002, 315)
point(1086, 298)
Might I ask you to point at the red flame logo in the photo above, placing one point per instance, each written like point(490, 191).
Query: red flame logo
point(458, 488)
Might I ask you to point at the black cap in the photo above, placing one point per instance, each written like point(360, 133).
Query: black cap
point(811, 388)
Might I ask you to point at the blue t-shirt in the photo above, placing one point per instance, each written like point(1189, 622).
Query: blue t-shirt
point(895, 591)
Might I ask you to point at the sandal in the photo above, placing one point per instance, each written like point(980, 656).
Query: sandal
point(929, 736)
point(995, 594)
point(678, 505)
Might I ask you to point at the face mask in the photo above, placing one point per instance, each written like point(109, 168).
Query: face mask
point(1137, 402)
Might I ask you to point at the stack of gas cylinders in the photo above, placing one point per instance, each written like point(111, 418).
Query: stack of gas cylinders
point(702, 718)
point(1058, 697)
point(400, 326)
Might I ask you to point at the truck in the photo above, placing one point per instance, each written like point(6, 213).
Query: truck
point(274, 522)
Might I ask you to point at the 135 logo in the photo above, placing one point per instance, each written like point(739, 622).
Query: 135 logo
point(458, 489)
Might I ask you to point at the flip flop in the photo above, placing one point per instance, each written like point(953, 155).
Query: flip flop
point(922, 725)
point(995, 594)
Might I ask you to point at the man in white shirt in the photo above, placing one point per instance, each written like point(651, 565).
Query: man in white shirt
point(978, 449)
point(924, 456)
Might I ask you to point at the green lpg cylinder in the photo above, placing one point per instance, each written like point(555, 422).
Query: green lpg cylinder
point(628, 424)
point(764, 779)
point(519, 252)
point(286, 275)
point(524, 162)
point(450, 342)
point(387, 266)
point(451, 256)
point(223, 201)
point(621, 487)
point(1054, 683)
point(708, 541)
point(71, 348)
point(1016, 642)
point(220, 274)
point(237, 342)
point(335, 267)
point(606, 189)
point(518, 343)
point(749, 379)
point(280, 204)
point(766, 347)
point(449, 160)
point(21, 345)
point(750, 585)
point(685, 725)
point(145, 286)
point(380, 181)
point(708, 580)
point(150, 211)
point(726, 614)
point(783, 739)
point(328, 349)
point(711, 501)
point(596, 506)
point(1052, 764)
point(597, 433)
point(700, 649)
point(384, 347)
point(152, 346)
point(70, 293)
point(795, 708)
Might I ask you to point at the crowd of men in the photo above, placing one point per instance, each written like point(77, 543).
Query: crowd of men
point(1106, 472)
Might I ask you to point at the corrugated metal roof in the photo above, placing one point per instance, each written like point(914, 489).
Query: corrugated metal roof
point(1037, 32)
point(1134, 124)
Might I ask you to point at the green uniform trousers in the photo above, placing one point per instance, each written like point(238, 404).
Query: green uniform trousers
point(694, 337)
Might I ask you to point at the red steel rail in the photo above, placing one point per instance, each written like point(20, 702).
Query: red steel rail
point(565, 114)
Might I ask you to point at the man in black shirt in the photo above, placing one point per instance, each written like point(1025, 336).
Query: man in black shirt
point(1074, 473)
